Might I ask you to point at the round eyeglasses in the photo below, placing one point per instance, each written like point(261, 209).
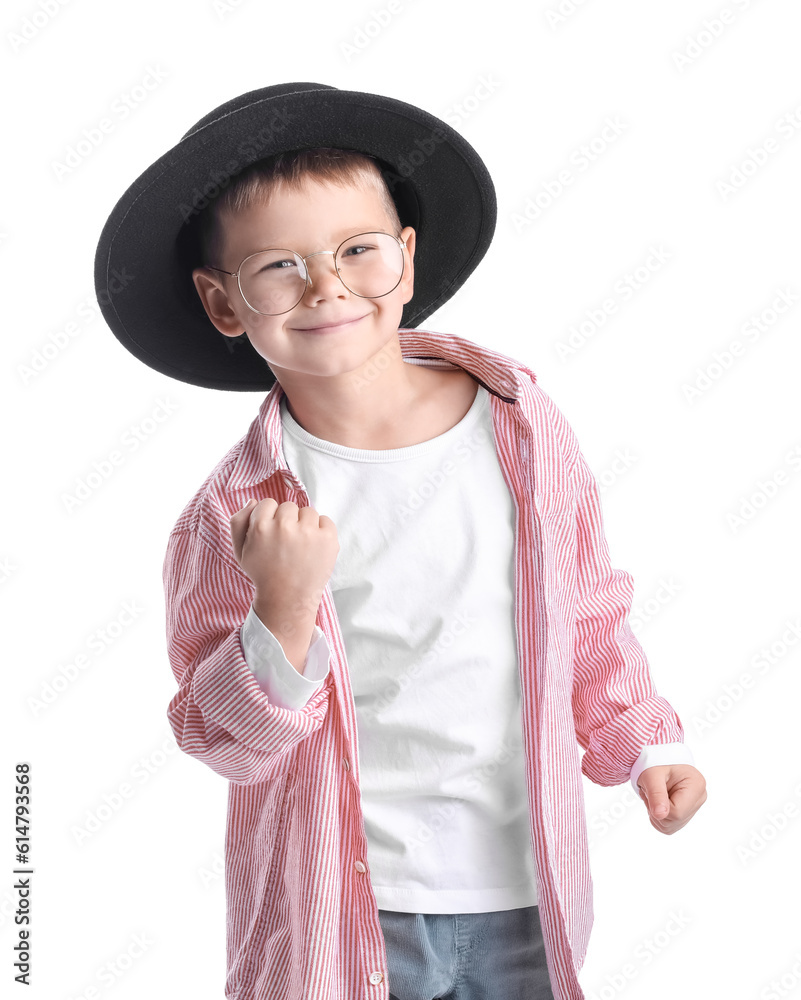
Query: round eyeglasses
point(274, 281)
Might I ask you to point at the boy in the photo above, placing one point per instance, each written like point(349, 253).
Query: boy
point(406, 816)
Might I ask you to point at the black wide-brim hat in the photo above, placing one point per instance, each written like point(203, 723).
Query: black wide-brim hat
point(149, 244)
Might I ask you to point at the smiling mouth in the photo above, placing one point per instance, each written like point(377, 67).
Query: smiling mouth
point(329, 326)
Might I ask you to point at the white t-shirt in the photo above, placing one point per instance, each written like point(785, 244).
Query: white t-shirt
point(424, 590)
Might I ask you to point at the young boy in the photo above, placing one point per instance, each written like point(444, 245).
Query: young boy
point(390, 608)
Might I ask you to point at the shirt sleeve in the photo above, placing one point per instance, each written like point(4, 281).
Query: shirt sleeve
point(220, 714)
point(660, 753)
point(276, 676)
point(616, 707)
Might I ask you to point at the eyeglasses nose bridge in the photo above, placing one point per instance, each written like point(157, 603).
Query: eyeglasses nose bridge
point(317, 254)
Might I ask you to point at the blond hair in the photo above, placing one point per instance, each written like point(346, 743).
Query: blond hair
point(257, 182)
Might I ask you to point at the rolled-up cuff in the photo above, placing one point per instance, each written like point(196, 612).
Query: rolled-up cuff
point(660, 753)
point(276, 676)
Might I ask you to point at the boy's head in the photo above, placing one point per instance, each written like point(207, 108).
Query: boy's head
point(305, 252)
point(239, 159)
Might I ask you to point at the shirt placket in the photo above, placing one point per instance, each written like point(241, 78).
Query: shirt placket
point(358, 894)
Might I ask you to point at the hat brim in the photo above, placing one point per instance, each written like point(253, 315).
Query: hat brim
point(144, 256)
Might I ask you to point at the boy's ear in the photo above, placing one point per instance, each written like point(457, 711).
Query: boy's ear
point(210, 286)
point(407, 281)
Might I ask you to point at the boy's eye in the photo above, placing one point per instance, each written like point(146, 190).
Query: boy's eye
point(356, 251)
point(266, 265)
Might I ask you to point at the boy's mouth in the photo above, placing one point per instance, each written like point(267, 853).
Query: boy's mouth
point(332, 326)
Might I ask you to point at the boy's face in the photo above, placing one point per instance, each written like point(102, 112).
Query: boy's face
point(318, 216)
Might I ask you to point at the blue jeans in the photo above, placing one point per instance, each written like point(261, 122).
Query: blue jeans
point(466, 956)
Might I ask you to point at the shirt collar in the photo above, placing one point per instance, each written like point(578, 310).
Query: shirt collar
point(262, 455)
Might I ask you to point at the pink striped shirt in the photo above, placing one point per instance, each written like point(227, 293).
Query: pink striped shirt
point(302, 917)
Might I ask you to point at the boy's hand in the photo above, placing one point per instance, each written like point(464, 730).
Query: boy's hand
point(289, 553)
point(673, 794)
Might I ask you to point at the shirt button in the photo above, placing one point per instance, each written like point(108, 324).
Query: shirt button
point(345, 763)
point(360, 867)
point(376, 977)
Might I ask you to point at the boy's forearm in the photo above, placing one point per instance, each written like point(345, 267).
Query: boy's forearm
point(292, 629)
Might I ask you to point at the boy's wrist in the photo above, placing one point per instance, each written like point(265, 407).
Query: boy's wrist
point(293, 634)
point(285, 621)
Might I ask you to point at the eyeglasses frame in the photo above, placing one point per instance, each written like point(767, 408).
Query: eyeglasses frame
point(317, 253)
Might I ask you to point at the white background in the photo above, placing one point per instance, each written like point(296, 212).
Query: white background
point(709, 912)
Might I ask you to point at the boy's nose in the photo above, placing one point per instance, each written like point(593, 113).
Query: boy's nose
point(324, 280)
